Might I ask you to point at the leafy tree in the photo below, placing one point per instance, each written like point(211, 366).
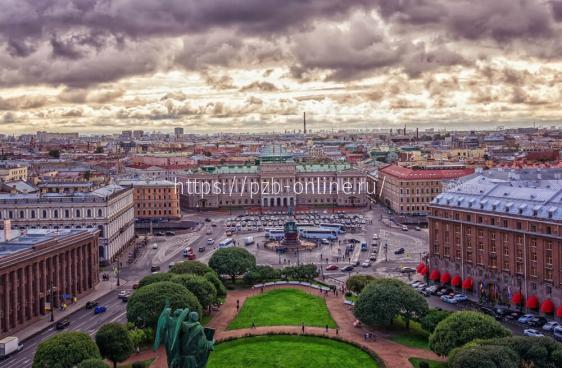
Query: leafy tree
point(54, 153)
point(136, 335)
point(65, 350)
point(432, 318)
point(99, 149)
point(93, 363)
point(214, 279)
point(356, 283)
point(194, 267)
point(382, 300)
point(484, 357)
point(302, 272)
point(114, 342)
point(146, 304)
point(155, 277)
point(232, 262)
point(463, 327)
point(202, 288)
point(260, 274)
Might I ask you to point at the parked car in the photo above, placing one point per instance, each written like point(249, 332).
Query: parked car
point(366, 264)
point(201, 249)
point(207, 219)
point(460, 298)
point(62, 324)
point(100, 309)
point(425, 293)
point(210, 241)
point(154, 268)
point(404, 228)
point(154, 246)
point(444, 291)
point(122, 293)
point(415, 283)
point(418, 228)
point(373, 257)
point(348, 268)
point(159, 233)
point(514, 315)
point(407, 270)
point(488, 310)
point(91, 304)
point(125, 299)
point(399, 251)
point(550, 326)
point(525, 318)
point(538, 321)
point(532, 332)
point(449, 299)
point(431, 289)
point(170, 233)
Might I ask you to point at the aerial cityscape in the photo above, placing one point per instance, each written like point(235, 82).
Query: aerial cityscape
point(321, 183)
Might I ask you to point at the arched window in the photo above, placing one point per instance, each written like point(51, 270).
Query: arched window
point(99, 213)
point(22, 214)
point(44, 213)
point(77, 213)
point(32, 214)
point(89, 212)
point(56, 214)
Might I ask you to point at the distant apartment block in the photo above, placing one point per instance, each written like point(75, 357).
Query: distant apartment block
point(10, 172)
point(154, 199)
point(108, 209)
point(44, 269)
point(410, 190)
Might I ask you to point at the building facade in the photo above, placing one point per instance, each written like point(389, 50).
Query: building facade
point(154, 199)
point(409, 191)
point(274, 184)
point(13, 172)
point(109, 209)
point(503, 237)
point(43, 270)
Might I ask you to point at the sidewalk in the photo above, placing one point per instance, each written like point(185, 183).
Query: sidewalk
point(102, 289)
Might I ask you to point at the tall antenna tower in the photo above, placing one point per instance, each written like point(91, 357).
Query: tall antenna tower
point(304, 121)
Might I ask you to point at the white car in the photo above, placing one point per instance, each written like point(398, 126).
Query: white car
point(210, 241)
point(366, 264)
point(532, 332)
point(404, 228)
point(525, 318)
point(550, 326)
point(154, 246)
point(432, 289)
point(460, 297)
point(449, 299)
point(209, 232)
point(375, 236)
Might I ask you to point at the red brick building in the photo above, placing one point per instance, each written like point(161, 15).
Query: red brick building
point(501, 239)
point(31, 264)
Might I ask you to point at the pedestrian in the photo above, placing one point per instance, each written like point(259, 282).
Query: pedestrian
point(237, 305)
point(253, 324)
point(337, 331)
point(326, 328)
point(262, 289)
point(302, 327)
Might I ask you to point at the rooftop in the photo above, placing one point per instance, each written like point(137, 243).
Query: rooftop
point(24, 241)
point(425, 174)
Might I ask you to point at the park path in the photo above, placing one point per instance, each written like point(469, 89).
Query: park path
point(393, 355)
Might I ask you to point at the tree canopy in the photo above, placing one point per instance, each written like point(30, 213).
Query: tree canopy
point(93, 363)
point(214, 279)
point(114, 343)
point(463, 327)
point(382, 300)
point(194, 267)
point(232, 261)
point(155, 277)
point(146, 303)
point(484, 357)
point(356, 283)
point(65, 350)
point(432, 319)
point(202, 288)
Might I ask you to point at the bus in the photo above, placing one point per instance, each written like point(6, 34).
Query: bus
point(338, 227)
point(228, 242)
point(275, 234)
point(319, 233)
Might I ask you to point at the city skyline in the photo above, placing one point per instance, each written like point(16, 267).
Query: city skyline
point(256, 66)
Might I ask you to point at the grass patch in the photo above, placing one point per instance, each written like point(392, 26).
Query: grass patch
point(412, 340)
point(285, 351)
point(283, 307)
point(432, 363)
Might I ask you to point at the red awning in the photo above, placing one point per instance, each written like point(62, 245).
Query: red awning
point(467, 283)
point(547, 307)
point(419, 267)
point(424, 270)
point(434, 275)
point(517, 298)
point(559, 312)
point(445, 278)
point(456, 281)
point(533, 302)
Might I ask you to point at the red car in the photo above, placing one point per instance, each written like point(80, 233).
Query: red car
point(332, 268)
point(191, 256)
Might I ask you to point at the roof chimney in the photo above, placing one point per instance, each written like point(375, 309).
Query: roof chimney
point(7, 230)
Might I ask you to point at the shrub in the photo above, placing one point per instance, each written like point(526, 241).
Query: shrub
point(65, 350)
point(194, 267)
point(232, 262)
point(432, 319)
point(202, 288)
point(155, 277)
point(356, 283)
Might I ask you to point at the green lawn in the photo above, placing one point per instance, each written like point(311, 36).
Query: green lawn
point(288, 352)
point(283, 307)
point(432, 364)
point(412, 340)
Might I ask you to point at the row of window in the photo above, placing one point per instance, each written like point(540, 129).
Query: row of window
point(21, 214)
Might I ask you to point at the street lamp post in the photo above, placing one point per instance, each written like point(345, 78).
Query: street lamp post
point(52, 292)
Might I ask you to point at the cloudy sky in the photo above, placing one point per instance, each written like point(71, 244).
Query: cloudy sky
point(98, 66)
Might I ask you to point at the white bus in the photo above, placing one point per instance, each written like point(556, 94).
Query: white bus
point(338, 227)
point(275, 234)
point(228, 242)
point(319, 233)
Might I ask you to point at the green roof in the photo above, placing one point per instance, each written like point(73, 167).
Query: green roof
point(322, 167)
point(242, 169)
